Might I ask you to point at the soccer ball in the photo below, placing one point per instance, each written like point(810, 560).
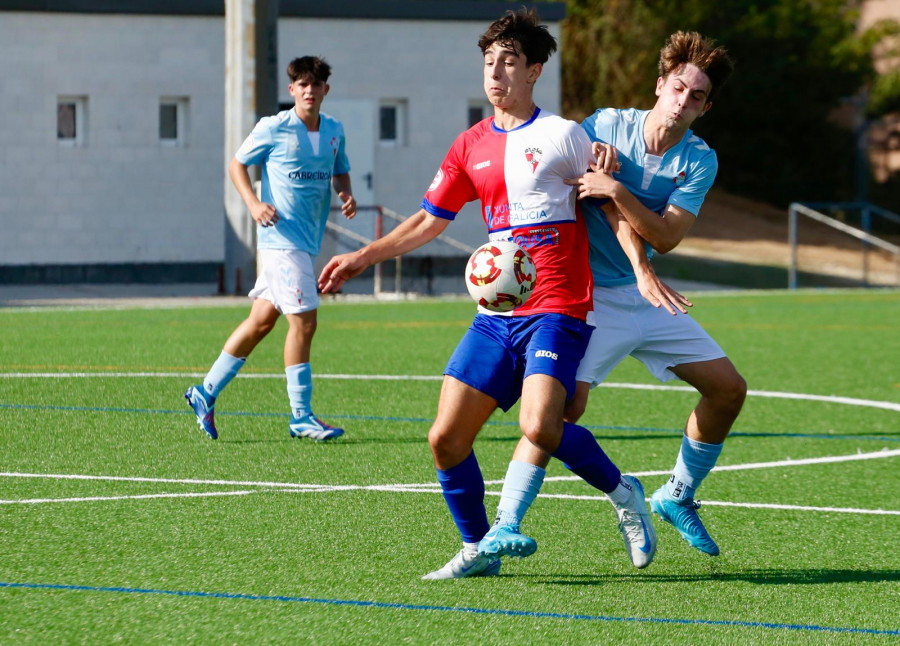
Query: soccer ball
point(500, 276)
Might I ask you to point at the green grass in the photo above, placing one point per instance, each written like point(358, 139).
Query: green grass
point(281, 564)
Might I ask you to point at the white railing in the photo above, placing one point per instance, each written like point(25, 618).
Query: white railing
point(380, 213)
point(796, 209)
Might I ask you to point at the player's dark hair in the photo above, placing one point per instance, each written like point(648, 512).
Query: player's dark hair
point(311, 66)
point(522, 32)
point(684, 48)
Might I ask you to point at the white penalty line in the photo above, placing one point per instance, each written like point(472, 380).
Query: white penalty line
point(833, 399)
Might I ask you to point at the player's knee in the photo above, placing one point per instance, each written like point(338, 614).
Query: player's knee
point(257, 328)
point(731, 393)
point(447, 447)
point(264, 327)
point(540, 434)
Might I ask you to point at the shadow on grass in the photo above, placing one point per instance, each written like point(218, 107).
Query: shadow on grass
point(758, 576)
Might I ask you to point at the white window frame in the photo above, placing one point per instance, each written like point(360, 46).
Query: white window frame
point(399, 106)
point(80, 103)
point(181, 104)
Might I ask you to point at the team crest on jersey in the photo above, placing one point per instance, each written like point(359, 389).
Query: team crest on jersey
point(438, 178)
point(334, 145)
point(679, 178)
point(533, 157)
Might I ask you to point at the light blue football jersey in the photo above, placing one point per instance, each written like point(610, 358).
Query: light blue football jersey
point(682, 177)
point(296, 180)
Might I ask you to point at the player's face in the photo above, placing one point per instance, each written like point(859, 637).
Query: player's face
point(683, 96)
point(308, 94)
point(508, 79)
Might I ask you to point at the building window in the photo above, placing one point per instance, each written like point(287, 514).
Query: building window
point(173, 121)
point(391, 123)
point(479, 111)
point(70, 120)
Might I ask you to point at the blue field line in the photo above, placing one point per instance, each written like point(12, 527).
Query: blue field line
point(424, 420)
point(480, 611)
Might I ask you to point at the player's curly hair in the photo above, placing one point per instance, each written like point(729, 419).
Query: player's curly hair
point(312, 66)
point(684, 48)
point(522, 32)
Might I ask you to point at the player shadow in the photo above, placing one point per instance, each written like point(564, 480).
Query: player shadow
point(600, 437)
point(341, 441)
point(756, 576)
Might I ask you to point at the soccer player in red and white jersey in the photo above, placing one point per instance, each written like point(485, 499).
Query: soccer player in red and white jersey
point(516, 164)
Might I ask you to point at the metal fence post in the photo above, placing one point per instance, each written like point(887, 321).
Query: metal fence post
point(379, 231)
point(792, 244)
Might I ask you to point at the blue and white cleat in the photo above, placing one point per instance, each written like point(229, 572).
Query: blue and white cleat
point(465, 565)
point(635, 525)
point(314, 428)
point(506, 540)
point(682, 515)
point(203, 409)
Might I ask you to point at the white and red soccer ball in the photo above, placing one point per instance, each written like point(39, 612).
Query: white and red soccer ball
point(500, 276)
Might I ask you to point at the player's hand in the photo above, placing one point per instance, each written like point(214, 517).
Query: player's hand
point(339, 270)
point(594, 183)
point(348, 204)
point(263, 214)
point(606, 158)
point(658, 294)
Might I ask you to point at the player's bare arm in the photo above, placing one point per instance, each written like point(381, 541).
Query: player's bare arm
point(654, 290)
point(262, 213)
point(411, 234)
point(341, 185)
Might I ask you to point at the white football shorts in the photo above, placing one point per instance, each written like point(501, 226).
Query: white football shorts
point(626, 324)
point(287, 280)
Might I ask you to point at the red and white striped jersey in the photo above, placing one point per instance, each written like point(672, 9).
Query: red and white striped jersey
point(518, 175)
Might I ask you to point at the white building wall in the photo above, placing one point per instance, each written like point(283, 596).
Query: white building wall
point(123, 197)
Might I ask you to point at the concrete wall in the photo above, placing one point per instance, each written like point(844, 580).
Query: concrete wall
point(122, 197)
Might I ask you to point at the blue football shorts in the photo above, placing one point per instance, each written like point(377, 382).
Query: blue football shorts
point(498, 352)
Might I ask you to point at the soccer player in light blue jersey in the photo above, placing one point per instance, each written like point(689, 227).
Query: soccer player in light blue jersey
point(301, 152)
point(659, 174)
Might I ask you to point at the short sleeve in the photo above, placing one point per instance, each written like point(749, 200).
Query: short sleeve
point(341, 161)
point(691, 194)
point(451, 187)
point(257, 145)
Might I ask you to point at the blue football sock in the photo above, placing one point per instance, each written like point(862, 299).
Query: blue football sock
point(520, 487)
point(300, 389)
point(581, 454)
point(220, 375)
point(463, 487)
point(695, 461)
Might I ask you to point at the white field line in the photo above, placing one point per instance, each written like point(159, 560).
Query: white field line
point(36, 501)
point(434, 488)
point(834, 399)
point(875, 455)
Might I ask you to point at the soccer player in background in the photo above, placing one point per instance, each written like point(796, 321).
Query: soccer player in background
point(516, 164)
point(301, 152)
point(664, 175)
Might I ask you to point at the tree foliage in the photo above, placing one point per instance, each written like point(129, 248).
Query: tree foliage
point(773, 124)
